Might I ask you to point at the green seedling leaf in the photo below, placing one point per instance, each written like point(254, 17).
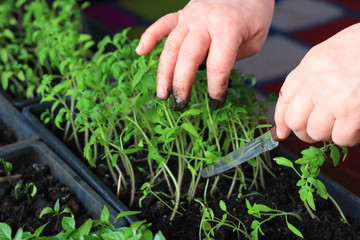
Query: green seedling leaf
point(321, 189)
point(345, 152)
point(5, 231)
point(191, 112)
point(9, 34)
point(112, 236)
point(311, 151)
point(264, 208)
point(335, 155)
point(19, 234)
point(5, 79)
point(294, 229)
point(57, 206)
point(222, 205)
point(104, 216)
point(159, 236)
point(114, 159)
point(255, 225)
point(83, 230)
point(284, 162)
point(40, 229)
point(206, 226)
point(68, 223)
point(3, 55)
point(21, 76)
point(310, 200)
point(127, 213)
point(138, 76)
point(190, 128)
point(45, 211)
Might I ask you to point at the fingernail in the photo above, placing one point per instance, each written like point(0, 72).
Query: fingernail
point(178, 104)
point(215, 103)
point(162, 93)
point(139, 47)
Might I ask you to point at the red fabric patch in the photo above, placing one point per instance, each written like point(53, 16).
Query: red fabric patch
point(319, 34)
point(351, 4)
point(111, 16)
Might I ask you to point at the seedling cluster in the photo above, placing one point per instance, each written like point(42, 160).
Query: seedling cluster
point(102, 98)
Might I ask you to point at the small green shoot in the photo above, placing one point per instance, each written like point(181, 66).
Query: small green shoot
point(266, 213)
point(56, 212)
point(29, 189)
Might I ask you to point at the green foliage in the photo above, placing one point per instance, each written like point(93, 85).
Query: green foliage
point(56, 211)
point(309, 164)
point(36, 36)
point(91, 229)
point(265, 214)
point(7, 166)
point(29, 189)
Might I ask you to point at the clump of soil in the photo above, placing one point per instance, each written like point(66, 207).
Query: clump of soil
point(23, 211)
point(7, 134)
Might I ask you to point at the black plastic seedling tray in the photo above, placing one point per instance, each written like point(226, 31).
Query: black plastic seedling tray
point(15, 120)
point(37, 152)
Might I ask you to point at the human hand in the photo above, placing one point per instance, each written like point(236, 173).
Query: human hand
point(222, 31)
point(320, 98)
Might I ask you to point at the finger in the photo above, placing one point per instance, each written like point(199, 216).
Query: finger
point(297, 115)
point(282, 130)
point(157, 31)
point(346, 131)
point(191, 54)
point(167, 62)
point(286, 94)
point(320, 123)
point(220, 61)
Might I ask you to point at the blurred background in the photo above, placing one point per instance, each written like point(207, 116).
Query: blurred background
point(297, 26)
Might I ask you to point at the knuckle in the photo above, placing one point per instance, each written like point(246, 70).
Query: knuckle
point(293, 123)
point(186, 55)
point(217, 68)
point(170, 46)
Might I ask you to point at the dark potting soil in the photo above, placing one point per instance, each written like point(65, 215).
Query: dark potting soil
point(23, 210)
point(7, 134)
point(280, 193)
